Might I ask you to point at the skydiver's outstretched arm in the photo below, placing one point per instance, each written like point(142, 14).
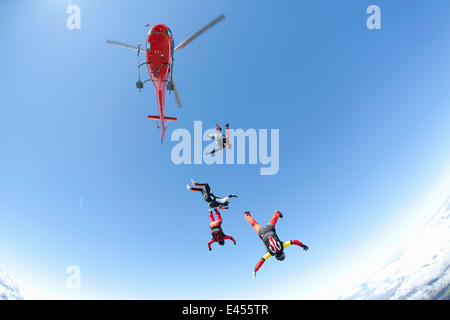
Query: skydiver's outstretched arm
point(260, 263)
point(296, 242)
point(267, 255)
point(229, 238)
point(224, 238)
point(222, 201)
point(210, 243)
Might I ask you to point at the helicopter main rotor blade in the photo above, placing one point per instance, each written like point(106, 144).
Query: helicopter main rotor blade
point(177, 97)
point(199, 32)
point(123, 45)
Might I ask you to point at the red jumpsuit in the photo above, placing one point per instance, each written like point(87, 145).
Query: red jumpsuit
point(270, 238)
point(216, 230)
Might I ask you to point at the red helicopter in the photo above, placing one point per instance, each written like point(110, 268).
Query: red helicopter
point(159, 49)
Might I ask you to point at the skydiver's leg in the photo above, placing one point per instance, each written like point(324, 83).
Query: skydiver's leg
point(275, 217)
point(253, 223)
point(205, 193)
point(196, 189)
point(198, 184)
point(215, 223)
point(218, 215)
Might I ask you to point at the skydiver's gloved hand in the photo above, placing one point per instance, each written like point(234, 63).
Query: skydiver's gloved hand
point(254, 275)
point(232, 196)
point(304, 247)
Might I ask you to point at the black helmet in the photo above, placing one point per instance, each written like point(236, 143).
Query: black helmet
point(222, 242)
point(280, 256)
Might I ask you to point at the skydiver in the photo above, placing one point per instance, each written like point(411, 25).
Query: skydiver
point(214, 201)
point(221, 140)
point(270, 239)
point(216, 230)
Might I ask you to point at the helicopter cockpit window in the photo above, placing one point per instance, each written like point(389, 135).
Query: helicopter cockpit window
point(147, 46)
point(168, 31)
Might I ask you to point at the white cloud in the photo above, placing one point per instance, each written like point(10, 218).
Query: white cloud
point(13, 289)
point(419, 270)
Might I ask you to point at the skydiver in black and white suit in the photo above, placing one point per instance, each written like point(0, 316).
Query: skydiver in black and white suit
point(222, 141)
point(214, 202)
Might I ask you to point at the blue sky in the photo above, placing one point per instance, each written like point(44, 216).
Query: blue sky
point(363, 116)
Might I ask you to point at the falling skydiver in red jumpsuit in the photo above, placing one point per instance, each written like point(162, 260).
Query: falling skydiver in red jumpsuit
point(270, 239)
point(216, 230)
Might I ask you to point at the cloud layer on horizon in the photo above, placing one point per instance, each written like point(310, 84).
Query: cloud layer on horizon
point(13, 289)
point(420, 270)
